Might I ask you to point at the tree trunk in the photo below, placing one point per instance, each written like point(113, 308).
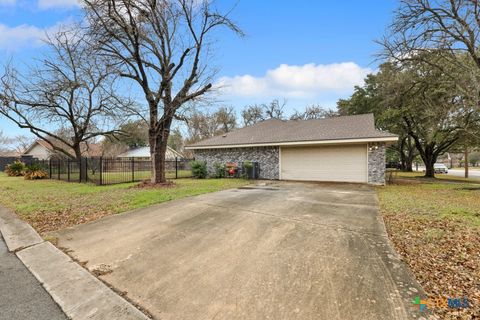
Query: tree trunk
point(403, 162)
point(428, 155)
point(466, 162)
point(429, 159)
point(411, 154)
point(409, 164)
point(158, 149)
point(158, 162)
point(407, 153)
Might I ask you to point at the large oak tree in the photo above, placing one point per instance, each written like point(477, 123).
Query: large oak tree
point(68, 98)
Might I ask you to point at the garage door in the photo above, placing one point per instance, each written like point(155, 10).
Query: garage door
point(329, 163)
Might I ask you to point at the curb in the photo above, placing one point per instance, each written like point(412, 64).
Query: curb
point(79, 294)
point(17, 234)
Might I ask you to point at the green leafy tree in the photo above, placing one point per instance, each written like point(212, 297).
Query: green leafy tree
point(429, 108)
point(134, 134)
point(376, 96)
point(434, 106)
point(175, 140)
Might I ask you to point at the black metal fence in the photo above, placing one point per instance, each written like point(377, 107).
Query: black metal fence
point(107, 171)
point(4, 161)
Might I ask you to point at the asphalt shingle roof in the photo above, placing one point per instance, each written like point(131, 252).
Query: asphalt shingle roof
point(280, 131)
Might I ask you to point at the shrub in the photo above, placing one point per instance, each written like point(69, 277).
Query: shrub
point(35, 171)
point(247, 168)
point(199, 169)
point(15, 169)
point(219, 170)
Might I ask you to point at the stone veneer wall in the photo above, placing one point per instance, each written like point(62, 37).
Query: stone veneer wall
point(376, 163)
point(267, 157)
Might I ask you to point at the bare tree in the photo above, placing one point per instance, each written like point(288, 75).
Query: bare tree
point(5, 142)
point(256, 113)
point(203, 125)
point(423, 25)
point(22, 142)
point(67, 99)
point(275, 109)
point(199, 127)
point(313, 112)
point(226, 119)
point(252, 115)
point(163, 46)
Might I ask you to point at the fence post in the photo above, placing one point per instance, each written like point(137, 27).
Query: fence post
point(86, 169)
point(58, 169)
point(133, 169)
point(83, 169)
point(50, 167)
point(68, 170)
point(176, 168)
point(100, 166)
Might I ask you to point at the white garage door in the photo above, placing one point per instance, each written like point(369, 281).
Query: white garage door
point(346, 163)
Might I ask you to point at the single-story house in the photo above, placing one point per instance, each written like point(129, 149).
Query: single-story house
point(43, 150)
point(10, 153)
point(143, 153)
point(339, 149)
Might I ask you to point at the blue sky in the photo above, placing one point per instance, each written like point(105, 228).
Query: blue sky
point(303, 51)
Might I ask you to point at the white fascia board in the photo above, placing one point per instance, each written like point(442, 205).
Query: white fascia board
point(298, 143)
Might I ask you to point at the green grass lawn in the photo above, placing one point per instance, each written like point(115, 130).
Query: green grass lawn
point(112, 177)
point(460, 202)
point(446, 177)
point(50, 205)
point(435, 226)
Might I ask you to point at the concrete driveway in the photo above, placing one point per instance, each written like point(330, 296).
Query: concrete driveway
point(280, 251)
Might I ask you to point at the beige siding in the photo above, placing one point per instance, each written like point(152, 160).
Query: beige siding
point(347, 163)
point(39, 151)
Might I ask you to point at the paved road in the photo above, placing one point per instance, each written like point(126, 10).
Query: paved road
point(282, 251)
point(21, 296)
point(461, 173)
point(458, 172)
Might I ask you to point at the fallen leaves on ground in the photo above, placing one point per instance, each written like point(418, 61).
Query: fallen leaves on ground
point(443, 252)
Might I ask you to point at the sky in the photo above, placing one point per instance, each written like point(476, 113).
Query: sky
point(304, 51)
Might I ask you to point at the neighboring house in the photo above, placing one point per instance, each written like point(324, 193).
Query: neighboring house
point(43, 150)
point(40, 149)
point(9, 153)
point(143, 153)
point(343, 149)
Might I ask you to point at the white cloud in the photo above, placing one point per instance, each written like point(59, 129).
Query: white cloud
point(7, 2)
point(15, 38)
point(306, 81)
point(54, 4)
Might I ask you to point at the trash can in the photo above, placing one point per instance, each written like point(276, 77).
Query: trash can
point(252, 172)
